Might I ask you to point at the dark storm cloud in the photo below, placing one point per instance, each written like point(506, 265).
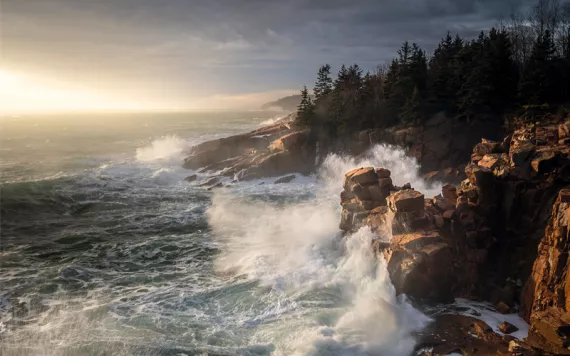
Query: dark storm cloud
point(227, 45)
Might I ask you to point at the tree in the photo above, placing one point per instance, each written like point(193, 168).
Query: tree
point(411, 112)
point(324, 84)
point(306, 109)
point(536, 85)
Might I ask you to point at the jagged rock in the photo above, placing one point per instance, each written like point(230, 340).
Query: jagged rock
point(191, 178)
point(448, 334)
point(507, 328)
point(545, 299)
point(519, 155)
point(544, 162)
point(211, 181)
point(421, 272)
point(219, 185)
point(503, 308)
point(285, 179)
point(289, 142)
point(564, 130)
point(362, 176)
point(449, 192)
point(383, 173)
point(406, 201)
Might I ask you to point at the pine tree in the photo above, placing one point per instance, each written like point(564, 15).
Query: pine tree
point(536, 85)
point(306, 109)
point(411, 111)
point(324, 84)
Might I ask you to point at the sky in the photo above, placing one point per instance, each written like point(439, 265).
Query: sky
point(214, 54)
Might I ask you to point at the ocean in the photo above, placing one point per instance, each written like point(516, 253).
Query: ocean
point(106, 250)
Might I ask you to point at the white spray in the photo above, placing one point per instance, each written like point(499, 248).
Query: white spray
point(294, 248)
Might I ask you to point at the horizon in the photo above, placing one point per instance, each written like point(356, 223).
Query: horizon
point(72, 55)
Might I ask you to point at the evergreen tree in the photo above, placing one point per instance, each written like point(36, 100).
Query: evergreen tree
point(305, 110)
point(411, 111)
point(536, 85)
point(324, 84)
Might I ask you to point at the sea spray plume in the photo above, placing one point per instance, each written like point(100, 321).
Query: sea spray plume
point(404, 169)
point(164, 148)
point(295, 249)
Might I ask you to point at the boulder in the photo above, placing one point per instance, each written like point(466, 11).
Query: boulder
point(362, 176)
point(520, 154)
point(210, 182)
point(289, 142)
point(449, 192)
point(191, 178)
point(285, 179)
point(382, 173)
point(406, 201)
point(564, 130)
point(507, 328)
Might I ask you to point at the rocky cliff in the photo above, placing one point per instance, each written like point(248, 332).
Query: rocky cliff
point(273, 150)
point(480, 240)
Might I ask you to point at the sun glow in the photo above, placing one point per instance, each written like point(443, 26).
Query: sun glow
point(21, 93)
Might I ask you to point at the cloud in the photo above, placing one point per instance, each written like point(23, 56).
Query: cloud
point(177, 49)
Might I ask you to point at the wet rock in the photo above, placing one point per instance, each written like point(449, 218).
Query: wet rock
point(503, 308)
point(448, 334)
point(286, 179)
point(219, 185)
point(406, 201)
point(507, 328)
point(191, 178)
point(362, 176)
point(210, 182)
point(382, 173)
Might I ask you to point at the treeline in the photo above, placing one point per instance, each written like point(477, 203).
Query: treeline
point(522, 63)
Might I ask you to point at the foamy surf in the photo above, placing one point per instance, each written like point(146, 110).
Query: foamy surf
point(295, 249)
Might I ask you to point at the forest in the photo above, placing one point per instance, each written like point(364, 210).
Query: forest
point(520, 67)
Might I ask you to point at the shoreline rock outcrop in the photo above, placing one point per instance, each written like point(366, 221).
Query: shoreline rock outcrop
point(273, 150)
point(480, 240)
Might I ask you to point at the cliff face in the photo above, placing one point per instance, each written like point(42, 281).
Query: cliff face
point(480, 241)
point(440, 145)
point(546, 297)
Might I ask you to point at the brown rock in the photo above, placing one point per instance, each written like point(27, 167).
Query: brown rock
point(490, 161)
point(406, 201)
point(438, 220)
point(346, 195)
point(564, 130)
point(486, 147)
point(385, 182)
point(382, 173)
point(378, 194)
point(519, 155)
point(507, 328)
point(289, 142)
point(545, 301)
point(544, 162)
point(448, 334)
point(448, 215)
point(503, 308)
point(362, 176)
point(361, 192)
point(449, 192)
point(346, 220)
point(416, 240)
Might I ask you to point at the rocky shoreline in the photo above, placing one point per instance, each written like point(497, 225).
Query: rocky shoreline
point(501, 235)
